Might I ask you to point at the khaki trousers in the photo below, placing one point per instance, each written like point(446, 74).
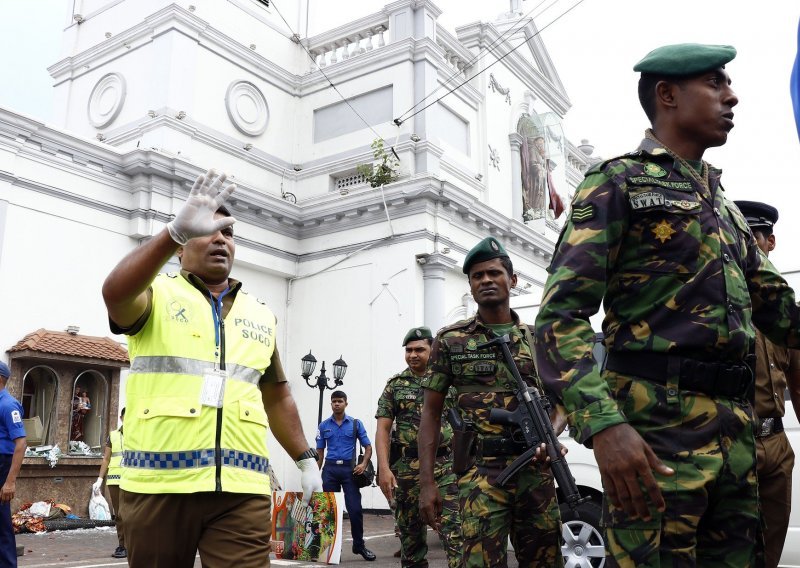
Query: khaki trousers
point(113, 492)
point(775, 463)
point(167, 530)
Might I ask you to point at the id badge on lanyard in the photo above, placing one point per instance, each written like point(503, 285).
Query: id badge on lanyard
point(213, 391)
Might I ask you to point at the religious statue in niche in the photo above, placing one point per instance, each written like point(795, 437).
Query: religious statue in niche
point(537, 181)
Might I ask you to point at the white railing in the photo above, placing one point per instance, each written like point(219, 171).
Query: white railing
point(455, 54)
point(346, 42)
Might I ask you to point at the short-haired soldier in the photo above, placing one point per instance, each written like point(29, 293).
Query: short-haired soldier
point(653, 238)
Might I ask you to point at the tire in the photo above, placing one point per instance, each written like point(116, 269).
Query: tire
point(584, 541)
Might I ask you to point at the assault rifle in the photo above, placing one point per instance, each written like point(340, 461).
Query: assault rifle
point(533, 421)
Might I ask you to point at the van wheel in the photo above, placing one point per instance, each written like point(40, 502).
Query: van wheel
point(584, 545)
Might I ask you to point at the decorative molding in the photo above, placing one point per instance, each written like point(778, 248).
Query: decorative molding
point(494, 157)
point(496, 88)
point(247, 108)
point(548, 88)
point(106, 100)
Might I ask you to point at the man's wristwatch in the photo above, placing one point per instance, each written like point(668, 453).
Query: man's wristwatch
point(309, 453)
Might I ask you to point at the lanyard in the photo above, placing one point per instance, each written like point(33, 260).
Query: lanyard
point(216, 313)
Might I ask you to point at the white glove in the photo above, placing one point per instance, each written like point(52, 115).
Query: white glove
point(310, 478)
point(196, 217)
point(97, 485)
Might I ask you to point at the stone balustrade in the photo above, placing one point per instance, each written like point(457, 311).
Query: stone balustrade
point(455, 54)
point(349, 41)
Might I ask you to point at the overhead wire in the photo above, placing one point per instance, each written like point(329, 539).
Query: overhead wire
point(484, 52)
point(314, 61)
point(398, 121)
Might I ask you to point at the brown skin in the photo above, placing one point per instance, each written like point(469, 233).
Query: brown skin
point(695, 114)
point(338, 406)
point(691, 116)
point(417, 354)
point(490, 285)
point(9, 488)
point(211, 259)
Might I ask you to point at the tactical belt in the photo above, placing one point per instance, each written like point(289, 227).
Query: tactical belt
point(413, 453)
point(496, 446)
point(716, 379)
point(767, 426)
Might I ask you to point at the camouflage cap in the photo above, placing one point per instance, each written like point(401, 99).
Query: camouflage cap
point(685, 59)
point(758, 215)
point(487, 249)
point(417, 333)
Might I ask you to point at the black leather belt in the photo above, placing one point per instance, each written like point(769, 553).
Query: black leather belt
point(413, 453)
point(497, 446)
point(767, 427)
point(720, 378)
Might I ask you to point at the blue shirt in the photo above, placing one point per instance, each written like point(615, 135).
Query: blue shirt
point(11, 426)
point(339, 440)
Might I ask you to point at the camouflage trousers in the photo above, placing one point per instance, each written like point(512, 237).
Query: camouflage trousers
point(525, 509)
point(413, 532)
point(711, 517)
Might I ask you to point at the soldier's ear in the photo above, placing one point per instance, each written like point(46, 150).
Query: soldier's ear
point(771, 242)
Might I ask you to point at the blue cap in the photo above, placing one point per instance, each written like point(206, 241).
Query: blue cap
point(4, 370)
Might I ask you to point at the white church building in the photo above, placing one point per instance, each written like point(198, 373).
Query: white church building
point(287, 98)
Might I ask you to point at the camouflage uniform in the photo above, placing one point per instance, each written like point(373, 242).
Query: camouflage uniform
point(526, 507)
point(676, 267)
point(401, 402)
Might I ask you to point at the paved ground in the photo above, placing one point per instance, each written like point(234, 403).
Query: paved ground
point(92, 548)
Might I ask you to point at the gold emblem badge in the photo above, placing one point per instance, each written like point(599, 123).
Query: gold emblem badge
point(664, 231)
point(654, 170)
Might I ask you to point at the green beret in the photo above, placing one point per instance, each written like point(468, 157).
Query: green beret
point(487, 249)
point(758, 215)
point(685, 59)
point(417, 333)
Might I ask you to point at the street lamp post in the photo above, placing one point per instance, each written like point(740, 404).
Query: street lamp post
point(321, 380)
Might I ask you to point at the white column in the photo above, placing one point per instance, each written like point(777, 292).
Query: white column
point(434, 272)
point(516, 176)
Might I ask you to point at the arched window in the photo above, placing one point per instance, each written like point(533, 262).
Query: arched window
point(89, 399)
point(39, 395)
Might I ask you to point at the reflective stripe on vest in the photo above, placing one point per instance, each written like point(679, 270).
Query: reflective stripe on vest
point(184, 366)
point(197, 458)
point(173, 444)
point(115, 463)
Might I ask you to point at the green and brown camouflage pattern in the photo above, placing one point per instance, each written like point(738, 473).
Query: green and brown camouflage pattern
point(527, 508)
point(711, 516)
point(678, 271)
point(676, 268)
point(401, 402)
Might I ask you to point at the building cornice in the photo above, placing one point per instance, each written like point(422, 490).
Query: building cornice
point(480, 35)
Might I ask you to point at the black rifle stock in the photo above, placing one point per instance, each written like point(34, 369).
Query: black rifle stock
point(533, 421)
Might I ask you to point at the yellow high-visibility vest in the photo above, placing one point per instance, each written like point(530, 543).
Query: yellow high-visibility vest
point(115, 465)
point(173, 443)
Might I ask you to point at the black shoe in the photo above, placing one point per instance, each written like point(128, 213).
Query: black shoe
point(120, 552)
point(365, 552)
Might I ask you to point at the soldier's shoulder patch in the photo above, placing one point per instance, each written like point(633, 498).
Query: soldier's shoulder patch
point(582, 212)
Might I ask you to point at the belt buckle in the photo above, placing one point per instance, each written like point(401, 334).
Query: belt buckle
point(339, 462)
point(766, 427)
